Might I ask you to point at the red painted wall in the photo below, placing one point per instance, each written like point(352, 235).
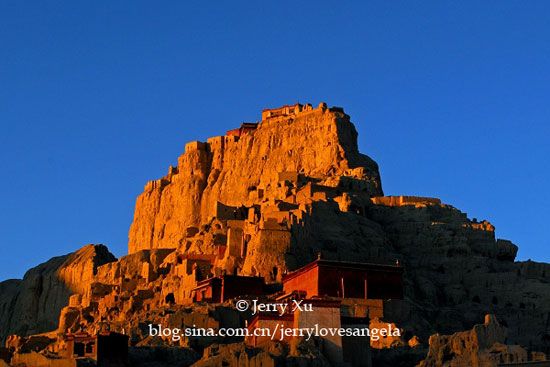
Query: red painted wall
point(327, 281)
point(307, 281)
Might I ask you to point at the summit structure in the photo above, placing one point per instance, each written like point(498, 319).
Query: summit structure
point(250, 166)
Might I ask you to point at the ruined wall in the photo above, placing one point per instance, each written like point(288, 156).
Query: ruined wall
point(266, 252)
point(405, 200)
point(483, 346)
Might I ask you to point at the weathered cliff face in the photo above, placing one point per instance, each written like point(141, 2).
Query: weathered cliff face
point(269, 198)
point(32, 305)
point(275, 196)
point(9, 290)
point(482, 346)
point(320, 144)
point(457, 270)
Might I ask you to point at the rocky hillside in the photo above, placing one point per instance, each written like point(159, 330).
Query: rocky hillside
point(266, 199)
point(32, 305)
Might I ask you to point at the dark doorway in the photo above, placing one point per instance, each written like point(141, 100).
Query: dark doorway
point(170, 299)
point(78, 349)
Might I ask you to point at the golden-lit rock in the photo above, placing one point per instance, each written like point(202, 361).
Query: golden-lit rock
point(243, 170)
point(38, 299)
point(266, 199)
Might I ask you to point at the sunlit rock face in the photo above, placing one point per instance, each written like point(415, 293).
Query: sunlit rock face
point(265, 199)
point(32, 305)
point(243, 169)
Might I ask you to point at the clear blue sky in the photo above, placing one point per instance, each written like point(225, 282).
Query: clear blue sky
point(450, 97)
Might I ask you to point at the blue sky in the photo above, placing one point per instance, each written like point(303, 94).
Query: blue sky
point(96, 98)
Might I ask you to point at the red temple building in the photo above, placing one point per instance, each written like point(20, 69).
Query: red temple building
point(346, 280)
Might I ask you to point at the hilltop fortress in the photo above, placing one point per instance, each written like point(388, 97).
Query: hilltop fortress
point(293, 149)
point(282, 209)
point(249, 198)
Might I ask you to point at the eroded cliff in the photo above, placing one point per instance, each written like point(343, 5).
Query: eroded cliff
point(264, 200)
point(241, 169)
point(32, 305)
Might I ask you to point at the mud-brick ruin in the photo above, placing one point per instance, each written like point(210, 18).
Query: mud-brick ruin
point(279, 210)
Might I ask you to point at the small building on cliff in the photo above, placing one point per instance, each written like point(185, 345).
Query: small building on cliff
point(345, 279)
point(108, 349)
